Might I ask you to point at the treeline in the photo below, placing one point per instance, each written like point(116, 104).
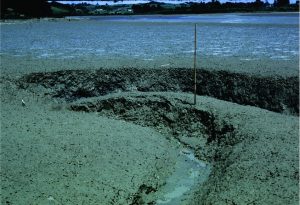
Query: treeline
point(25, 8)
point(213, 7)
point(41, 8)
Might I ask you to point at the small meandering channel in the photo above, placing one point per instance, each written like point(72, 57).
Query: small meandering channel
point(189, 171)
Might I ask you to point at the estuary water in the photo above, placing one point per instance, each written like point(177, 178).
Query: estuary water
point(264, 43)
point(107, 2)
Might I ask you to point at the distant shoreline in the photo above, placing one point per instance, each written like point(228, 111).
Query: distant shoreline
point(59, 10)
point(52, 18)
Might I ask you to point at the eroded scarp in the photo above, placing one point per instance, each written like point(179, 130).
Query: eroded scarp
point(279, 94)
point(174, 118)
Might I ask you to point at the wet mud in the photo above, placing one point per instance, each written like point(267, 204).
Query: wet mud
point(238, 141)
point(278, 94)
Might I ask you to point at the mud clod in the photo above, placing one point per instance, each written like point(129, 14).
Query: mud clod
point(138, 196)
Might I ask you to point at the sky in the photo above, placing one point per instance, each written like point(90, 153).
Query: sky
point(167, 1)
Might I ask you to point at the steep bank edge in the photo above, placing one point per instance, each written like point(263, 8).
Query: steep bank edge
point(253, 151)
point(276, 94)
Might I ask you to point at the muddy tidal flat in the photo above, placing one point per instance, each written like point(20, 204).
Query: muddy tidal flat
point(100, 110)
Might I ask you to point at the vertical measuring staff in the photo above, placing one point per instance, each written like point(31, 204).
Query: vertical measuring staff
point(195, 74)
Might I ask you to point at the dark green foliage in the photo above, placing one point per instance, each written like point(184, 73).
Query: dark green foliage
point(25, 8)
point(281, 3)
point(151, 7)
point(217, 7)
point(41, 8)
point(213, 7)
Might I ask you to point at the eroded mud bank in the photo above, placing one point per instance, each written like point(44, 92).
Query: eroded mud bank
point(278, 94)
point(253, 152)
point(200, 130)
point(246, 146)
point(174, 117)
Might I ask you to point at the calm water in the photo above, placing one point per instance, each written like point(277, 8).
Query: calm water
point(242, 37)
point(147, 1)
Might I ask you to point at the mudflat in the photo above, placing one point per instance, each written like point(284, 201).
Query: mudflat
point(90, 136)
point(100, 110)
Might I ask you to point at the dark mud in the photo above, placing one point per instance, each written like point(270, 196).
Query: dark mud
point(173, 117)
point(209, 136)
point(253, 152)
point(242, 148)
point(278, 94)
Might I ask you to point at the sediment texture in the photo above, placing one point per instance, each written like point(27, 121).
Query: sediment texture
point(254, 152)
point(278, 94)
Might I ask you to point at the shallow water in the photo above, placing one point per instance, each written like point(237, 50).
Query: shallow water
point(152, 36)
point(147, 1)
point(139, 41)
point(189, 171)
